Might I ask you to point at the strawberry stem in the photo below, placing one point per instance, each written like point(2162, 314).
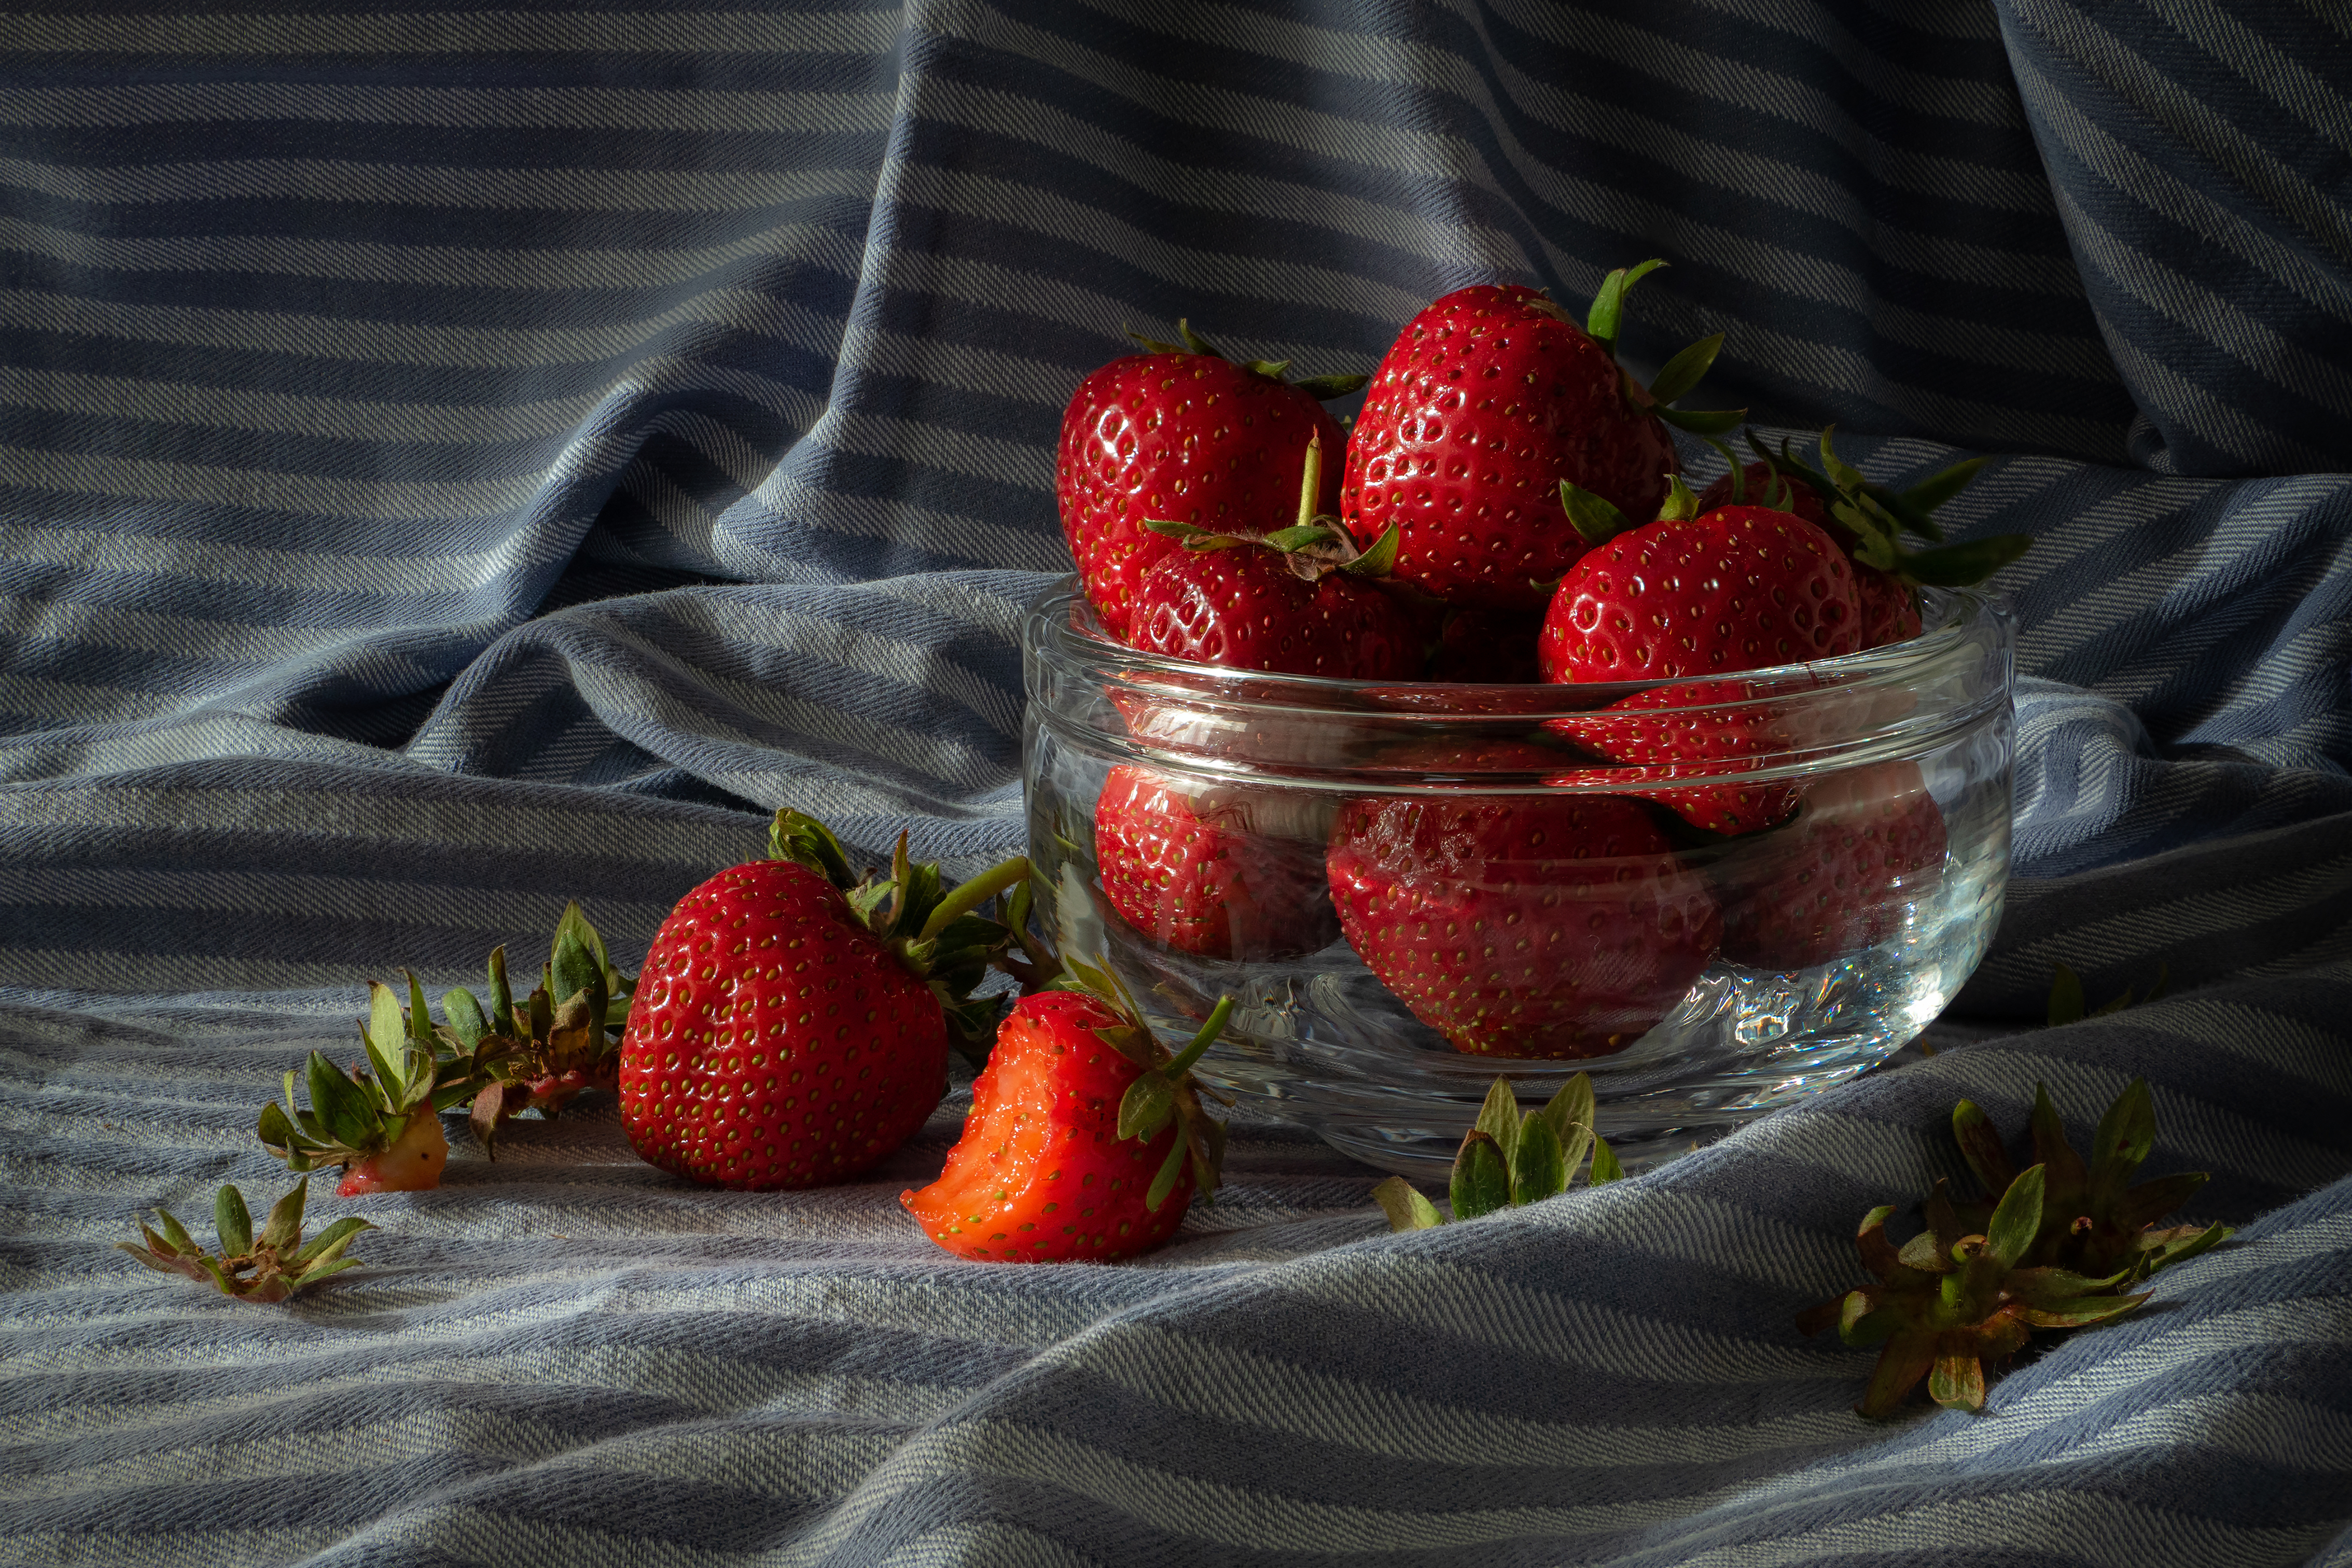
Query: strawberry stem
point(968, 896)
point(1203, 1041)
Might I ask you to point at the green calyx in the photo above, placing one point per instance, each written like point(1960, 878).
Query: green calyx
point(1508, 1159)
point(1597, 522)
point(565, 1036)
point(357, 1114)
point(1313, 547)
point(2055, 1245)
point(1166, 1089)
point(1680, 375)
point(1322, 389)
point(1879, 516)
point(269, 1266)
point(938, 932)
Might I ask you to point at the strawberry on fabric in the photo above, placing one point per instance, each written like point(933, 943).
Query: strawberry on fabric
point(1297, 601)
point(1867, 520)
point(791, 1025)
point(1489, 398)
point(1866, 844)
point(1696, 593)
point(1087, 1139)
point(1518, 924)
point(1180, 433)
point(1220, 872)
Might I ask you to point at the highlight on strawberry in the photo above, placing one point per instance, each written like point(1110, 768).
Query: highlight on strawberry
point(2054, 1245)
point(269, 1266)
point(793, 1023)
point(1509, 1158)
point(1488, 399)
point(1087, 1139)
point(1182, 433)
point(1219, 871)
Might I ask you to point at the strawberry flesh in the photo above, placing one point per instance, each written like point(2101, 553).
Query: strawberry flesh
point(1488, 399)
point(1526, 925)
point(1186, 438)
point(1211, 874)
point(773, 1041)
point(1041, 1174)
point(410, 1163)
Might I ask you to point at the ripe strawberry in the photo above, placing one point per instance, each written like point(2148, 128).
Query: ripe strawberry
point(1518, 924)
point(1489, 398)
point(1866, 842)
point(1867, 520)
point(1697, 729)
point(1214, 873)
point(1180, 433)
point(1086, 1139)
point(791, 1028)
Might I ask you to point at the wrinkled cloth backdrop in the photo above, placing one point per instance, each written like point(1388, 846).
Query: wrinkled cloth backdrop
point(455, 462)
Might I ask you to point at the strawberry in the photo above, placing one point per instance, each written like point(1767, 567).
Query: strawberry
point(1488, 399)
point(380, 1121)
point(1180, 433)
point(1698, 728)
point(1518, 925)
point(1085, 1140)
point(1865, 842)
point(1211, 873)
point(1867, 519)
point(1297, 601)
point(791, 1028)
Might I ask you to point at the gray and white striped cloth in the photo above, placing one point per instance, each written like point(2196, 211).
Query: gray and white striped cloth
point(452, 462)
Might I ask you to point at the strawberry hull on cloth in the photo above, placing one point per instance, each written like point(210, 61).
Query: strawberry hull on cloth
point(457, 463)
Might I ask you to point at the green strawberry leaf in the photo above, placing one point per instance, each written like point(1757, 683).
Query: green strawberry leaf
point(1323, 388)
point(1981, 1145)
point(1381, 559)
point(1938, 488)
point(285, 1225)
point(1539, 1166)
point(1596, 520)
point(2016, 1220)
point(1196, 344)
point(1962, 565)
point(1605, 1168)
point(1958, 1381)
point(799, 836)
point(464, 1012)
point(1680, 505)
point(1271, 370)
point(2066, 1002)
point(502, 1020)
point(1406, 1207)
point(2126, 1132)
point(1603, 322)
point(1704, 421)
point(234, 1224)
point(1498, 1118)
point(1163, 1182)
point(1146, 1106)
point(328, 1244)
point(1686, 369)
point(1481, 1182)
point(342, 1106)
point(2081, 1311)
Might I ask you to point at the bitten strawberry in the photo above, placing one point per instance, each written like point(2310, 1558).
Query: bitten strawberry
point(1518, 924)
point(1867, 844)
point(1489, 398)
point(1227, 872)
point(791, 1025)
point(1086, 1141)
point(1180, 433)
point(1867, 520)
point(380, 1122)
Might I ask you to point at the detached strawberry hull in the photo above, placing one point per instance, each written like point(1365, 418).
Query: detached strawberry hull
point(1717, 893)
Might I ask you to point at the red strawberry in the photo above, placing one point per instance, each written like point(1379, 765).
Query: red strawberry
point(1701, 730)
point(1489, 398)
point(789, 1028)
point(1867, 520)
point(1866, 842)
point(1213, 874)
point(1085, 1140)
point(1526, 924)
point(1487, 648)
point(1180, 433)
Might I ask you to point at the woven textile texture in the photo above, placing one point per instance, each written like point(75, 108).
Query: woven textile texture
point(453, 462)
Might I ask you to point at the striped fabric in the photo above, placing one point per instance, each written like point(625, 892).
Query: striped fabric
point(453, 462)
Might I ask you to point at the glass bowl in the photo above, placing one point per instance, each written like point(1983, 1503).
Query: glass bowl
point(1411, 888)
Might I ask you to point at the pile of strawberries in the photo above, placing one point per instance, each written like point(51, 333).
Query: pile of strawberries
point(794, 1018)
point(1508, 509)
